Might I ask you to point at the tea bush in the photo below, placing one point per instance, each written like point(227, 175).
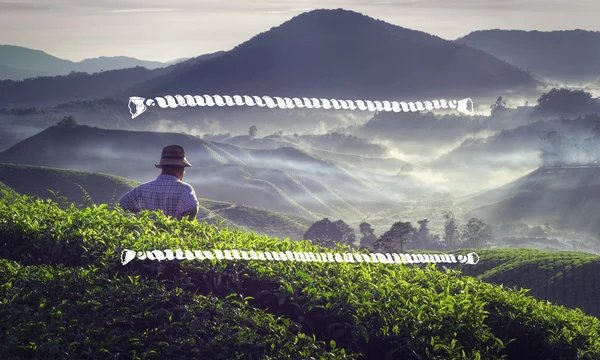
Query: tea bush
point(378, 310)
point(81, 314)
point(567, 278)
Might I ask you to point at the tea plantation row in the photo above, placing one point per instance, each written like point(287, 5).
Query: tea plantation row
point(378, 311)
point(567, 278)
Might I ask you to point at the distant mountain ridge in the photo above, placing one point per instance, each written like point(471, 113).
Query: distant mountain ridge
point(19, 63)
point(340, 53)
point(50, 91)
point(557, 55)
point(320, 53)
point(78, 86)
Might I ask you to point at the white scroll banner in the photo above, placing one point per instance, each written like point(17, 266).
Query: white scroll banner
point(349, 257)
point(464, 106)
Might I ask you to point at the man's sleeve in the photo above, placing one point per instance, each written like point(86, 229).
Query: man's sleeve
point(129, 202)
point(191, 204)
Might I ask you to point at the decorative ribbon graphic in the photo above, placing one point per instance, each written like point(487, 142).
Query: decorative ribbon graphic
point(351, 257)
point(464, 106)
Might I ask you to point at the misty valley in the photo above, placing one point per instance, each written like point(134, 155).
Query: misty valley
point(517, 182)
point(514, 170)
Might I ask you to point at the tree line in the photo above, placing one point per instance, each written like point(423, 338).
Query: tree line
point(403, 235)
point(557, 149)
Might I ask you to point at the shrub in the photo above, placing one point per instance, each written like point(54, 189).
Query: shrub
point(77, 314)
point(378, 310)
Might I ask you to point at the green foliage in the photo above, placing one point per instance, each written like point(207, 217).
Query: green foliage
point(565, 278)
point(477, 233)
point(394, 239)
point(79, 187)
point(3, 188)
point(378, 310)
point(83, 314)
point(86, 188)
point(368, 235)
point(451, 231)
point(327, 233)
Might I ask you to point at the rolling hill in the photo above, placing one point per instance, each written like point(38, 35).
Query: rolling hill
point(343, 54)
point(561, 277)
point(375, 164)
point(566, 198)
point(484, 162)
point(566, 55)
point(37, 180)
point(53, 90)
point(252, 219)
point(424, 133)
point(64, 280)
point(11, 73)
point(80, 84)
point(17, 124)
point(19, 63)
point(107, 189)
point(283, 180)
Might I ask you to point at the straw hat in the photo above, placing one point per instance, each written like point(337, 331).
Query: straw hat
point(173, 155)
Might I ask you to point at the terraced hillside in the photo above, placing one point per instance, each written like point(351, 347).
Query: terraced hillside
point(378, 164)
point(4, 187)
point(132, 154)
point(65, 292)
point(37, 180)
point(571, 279)
point(107, 189)
point(567, 198)
point(252, 219)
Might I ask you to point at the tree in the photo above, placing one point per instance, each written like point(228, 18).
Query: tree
point(451, 233)
point(499, 105)
point(576, 144)
point(327, 233)
point(368, 235)
point(422, 237)
point(553, 148)
point(477, 233)
point(67, 121)
point(348, 234)
point(591, 145)
point(398, 235)
point(565, 101)
point(436, 242)
point(252, 131)
point(323, 232)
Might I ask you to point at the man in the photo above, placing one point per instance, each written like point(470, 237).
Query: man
point(168, 192)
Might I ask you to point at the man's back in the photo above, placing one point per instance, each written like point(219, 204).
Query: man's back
point(167, 193)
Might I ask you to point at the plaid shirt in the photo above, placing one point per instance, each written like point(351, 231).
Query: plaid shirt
point(167, 193)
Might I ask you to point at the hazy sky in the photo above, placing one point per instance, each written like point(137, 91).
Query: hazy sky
point(165, 30)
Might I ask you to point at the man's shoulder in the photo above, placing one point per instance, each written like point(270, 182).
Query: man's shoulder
point(176, 183)
point(146, 184)
point(173, 183)
point(186, 185)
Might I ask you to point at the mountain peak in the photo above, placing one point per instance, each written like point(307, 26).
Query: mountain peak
point(546, 53)
point(344, 54)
